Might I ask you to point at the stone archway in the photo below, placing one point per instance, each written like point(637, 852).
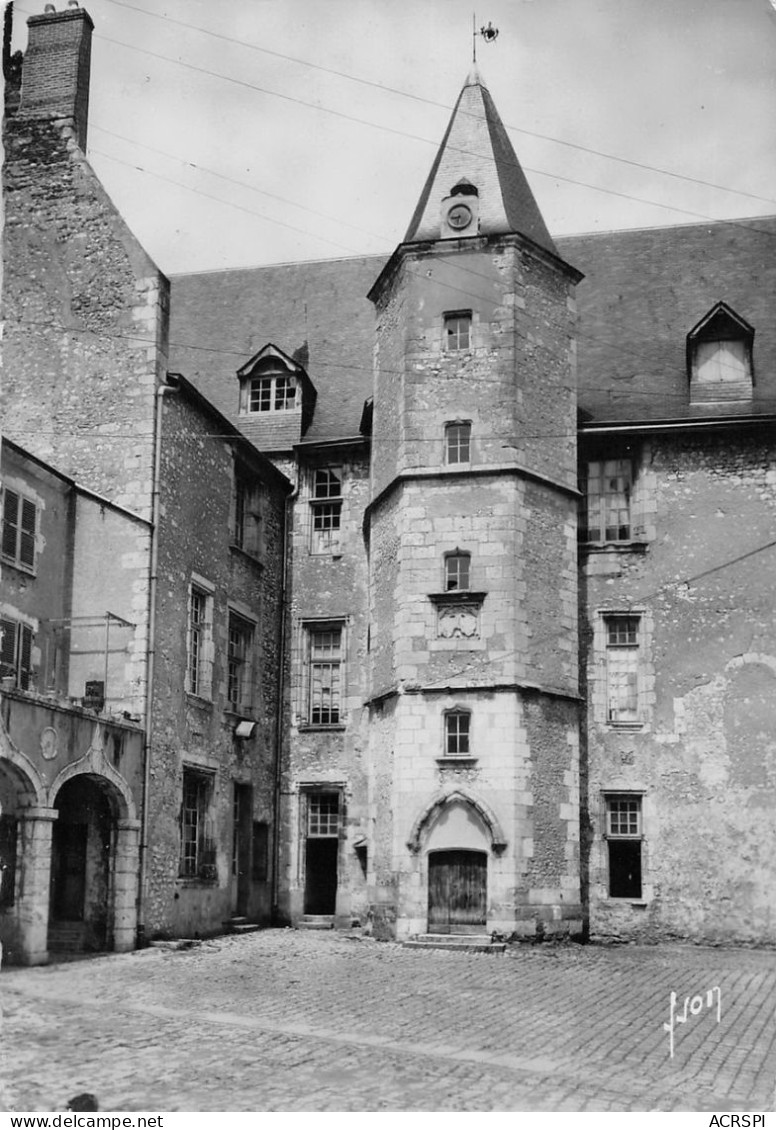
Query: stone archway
point(452, 799)
point(94, 856)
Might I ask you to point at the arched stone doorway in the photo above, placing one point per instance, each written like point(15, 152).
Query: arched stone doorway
point(83, 855)
point(25, 837)
point(456, 846)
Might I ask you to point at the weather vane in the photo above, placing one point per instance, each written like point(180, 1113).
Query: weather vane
point(489, 34)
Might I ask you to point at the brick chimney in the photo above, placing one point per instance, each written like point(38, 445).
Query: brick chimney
point(55, 73)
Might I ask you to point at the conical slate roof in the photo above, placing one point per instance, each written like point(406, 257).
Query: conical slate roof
point(476, 146)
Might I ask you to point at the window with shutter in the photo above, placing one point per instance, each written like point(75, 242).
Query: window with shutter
point(16, 653)
point(19, 525)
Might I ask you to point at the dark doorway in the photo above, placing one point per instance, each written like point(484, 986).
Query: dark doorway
point(80, 867)
point(321, 852)
point(242, 832)
point(457, 892)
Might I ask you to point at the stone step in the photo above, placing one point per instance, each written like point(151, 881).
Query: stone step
point(316, 922)
point(66, 937)
point(458, 943)
point(239, 924)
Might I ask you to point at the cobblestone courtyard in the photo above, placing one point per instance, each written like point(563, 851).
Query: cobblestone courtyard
point(283, 1020)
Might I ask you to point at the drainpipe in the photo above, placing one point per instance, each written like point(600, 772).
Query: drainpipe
point(150, 656)
point(287, 539)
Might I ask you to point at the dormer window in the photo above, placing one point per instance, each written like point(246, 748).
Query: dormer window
point(719, 357)
point(273, 393)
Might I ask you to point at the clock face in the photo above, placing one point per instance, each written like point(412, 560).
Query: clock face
point(459, 216)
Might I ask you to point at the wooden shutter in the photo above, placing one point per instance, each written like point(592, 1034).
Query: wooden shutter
point(8, 648)
point(27, 534)
point(10, 523)
point(25, 656)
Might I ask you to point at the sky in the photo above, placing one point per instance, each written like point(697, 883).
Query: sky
point(243, 132)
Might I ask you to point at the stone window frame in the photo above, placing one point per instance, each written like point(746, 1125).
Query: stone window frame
point(199, 638)
point(626, 835)
point(452, 734)
point(20, 531)
point(642, 498)
point(619, 468)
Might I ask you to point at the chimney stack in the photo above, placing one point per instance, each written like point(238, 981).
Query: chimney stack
point(55, 73)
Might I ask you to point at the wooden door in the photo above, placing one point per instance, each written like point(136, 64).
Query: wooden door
point(457, 892)
point(242, 821)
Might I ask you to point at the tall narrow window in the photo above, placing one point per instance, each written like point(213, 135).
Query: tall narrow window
point(19, 520)
point(198, 849)
point(624, 838)
point(246, 518)
point(622, 668)
point(457, 733)
point(325, 676)
point(326, 505)
point(16, 653)
point(240, 663)
point(458, 328)
point(199, 659)
point(457, 571)
point(608, 501)
point(458, 443)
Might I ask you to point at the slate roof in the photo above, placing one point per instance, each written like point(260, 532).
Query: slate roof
point(476, 147)
point(642, 293)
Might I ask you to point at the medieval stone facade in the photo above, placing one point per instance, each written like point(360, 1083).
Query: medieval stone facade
point(450, 580)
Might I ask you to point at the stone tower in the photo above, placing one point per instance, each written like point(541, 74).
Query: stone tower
point(471, 532)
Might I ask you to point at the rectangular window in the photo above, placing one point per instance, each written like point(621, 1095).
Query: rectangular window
point(458, 325)
point(323, 816)
point(8, 835)
point(246, 516)
point(199, 650)
point(240, 662)
point(272, 394)
point(325, 675)
point(457, 732)
point(326, 507)
point(458, 443)
point(624, 838)
point(622, 668)
point(457, 571)
point(198, 849)
point(608, 501)
point(19, 524)
point(16, 653)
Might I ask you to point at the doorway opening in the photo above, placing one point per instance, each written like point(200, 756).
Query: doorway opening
point(321, 852)
point(80, 868)
point(242, 834)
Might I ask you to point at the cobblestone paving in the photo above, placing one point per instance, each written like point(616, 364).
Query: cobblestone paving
point(289, 1021)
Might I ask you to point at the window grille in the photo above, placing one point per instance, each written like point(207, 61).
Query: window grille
point(457, 733)
point(239, 663)
point(325, 671)
point(323, 817)
point(326, 511)
point(272, 394)
point(622, 668)
point(198, 850)
point(457, 571)
point(458, 443)
point(457, 335)
point(19, 522)
point(608, 501)
point(624, 842)
point(200, 605)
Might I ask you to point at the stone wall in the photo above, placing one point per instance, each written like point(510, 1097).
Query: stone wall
point(198, 730)
point(701, 757)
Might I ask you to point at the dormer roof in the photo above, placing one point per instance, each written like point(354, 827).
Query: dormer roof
point(477, 149)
